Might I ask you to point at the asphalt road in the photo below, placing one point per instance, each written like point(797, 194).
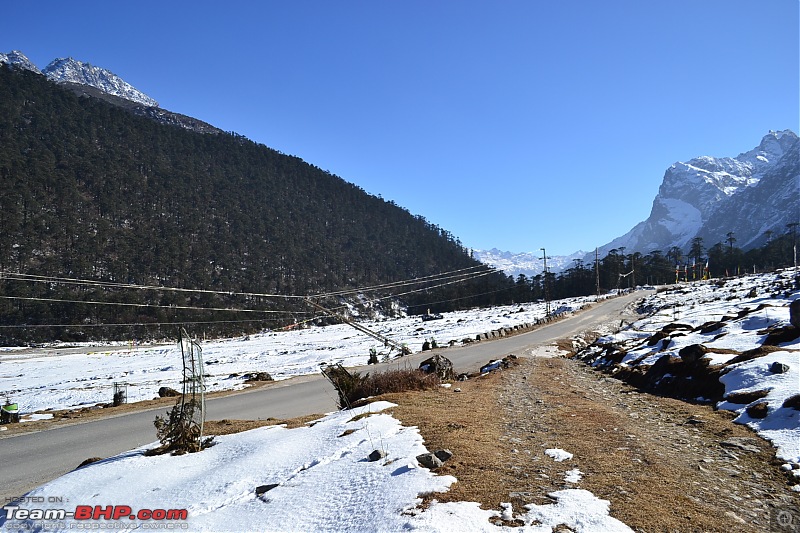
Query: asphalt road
point(27, 461)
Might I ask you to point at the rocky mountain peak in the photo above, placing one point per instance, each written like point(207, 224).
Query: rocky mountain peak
point(708, 196)
point(17, 59)
point(69, 70)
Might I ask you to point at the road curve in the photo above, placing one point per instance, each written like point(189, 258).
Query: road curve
point(29, 460)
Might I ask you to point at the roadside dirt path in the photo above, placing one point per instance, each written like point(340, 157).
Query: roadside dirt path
point(664, 465)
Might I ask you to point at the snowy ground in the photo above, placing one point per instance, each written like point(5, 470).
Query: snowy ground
point(67, 380)
point(323, 481)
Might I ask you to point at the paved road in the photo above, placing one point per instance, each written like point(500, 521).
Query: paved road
point(27, 461)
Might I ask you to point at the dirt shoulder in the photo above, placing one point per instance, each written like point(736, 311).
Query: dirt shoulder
point(665, 465)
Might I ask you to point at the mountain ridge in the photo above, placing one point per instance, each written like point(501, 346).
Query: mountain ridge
point(69, 70)
point(750, 196)
point(694, 198)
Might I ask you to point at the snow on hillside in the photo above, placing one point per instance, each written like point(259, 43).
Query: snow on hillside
point(701, 198)
point(69, 70)
point(60, 379)
point(528, 263)
point(743, 326)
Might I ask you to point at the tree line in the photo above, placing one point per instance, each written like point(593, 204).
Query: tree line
point(620, 270)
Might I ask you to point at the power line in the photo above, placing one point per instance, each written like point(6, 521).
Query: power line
point(17, 276)
point(129, 324)
point(127, 304)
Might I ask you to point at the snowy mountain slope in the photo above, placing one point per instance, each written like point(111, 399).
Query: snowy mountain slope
point(528, 263)
point(768, 205)
point(705, 197)
point(69, 70)
point(17, 59)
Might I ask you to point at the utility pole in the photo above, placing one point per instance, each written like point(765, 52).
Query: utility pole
point(546, 290)
point(597, 270)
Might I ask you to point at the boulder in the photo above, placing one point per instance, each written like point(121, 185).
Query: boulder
point(258, 376)
point(693, 353)
point(376, 455)
point(794, 313)
point(443, 455)
point(167, 392)
point(743, 398)
point(778, 368)
point(89, 461)
point(758, 410)
point(261, 489)
point(429, 460)
point(439, 365)
point(792, 402)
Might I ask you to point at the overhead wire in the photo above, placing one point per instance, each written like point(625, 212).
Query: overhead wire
point(129, 304)
point(17, 276)
point(460, 275)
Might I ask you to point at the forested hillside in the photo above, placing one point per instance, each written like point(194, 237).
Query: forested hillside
point(91, 191)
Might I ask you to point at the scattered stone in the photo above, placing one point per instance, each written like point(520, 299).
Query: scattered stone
point(758, 410)
point(792, 402)
point(779, 368)
point(457, 389)
point(376, 455)
point(261, 489)
point(429, 460)
point(167, 392)
point(742, 443)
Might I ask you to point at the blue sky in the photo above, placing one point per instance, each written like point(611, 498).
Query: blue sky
point(512, 124)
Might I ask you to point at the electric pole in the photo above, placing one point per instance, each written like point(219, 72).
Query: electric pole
point(546, 290)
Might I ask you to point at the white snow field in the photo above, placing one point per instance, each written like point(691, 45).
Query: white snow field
point(69, 380)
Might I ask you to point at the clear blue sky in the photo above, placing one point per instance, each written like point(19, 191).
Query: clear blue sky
point(512, 124)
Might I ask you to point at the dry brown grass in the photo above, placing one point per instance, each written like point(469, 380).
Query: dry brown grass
point(649, 467)
point(229, 427)
point(467, 424)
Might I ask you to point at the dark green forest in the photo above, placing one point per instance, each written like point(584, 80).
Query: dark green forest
point(91, 191)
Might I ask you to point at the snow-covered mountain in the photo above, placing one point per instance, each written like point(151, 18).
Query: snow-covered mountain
point(86, 80)
point(68, 70)
point(528, 263)
point(17, 59)
point(708, 197)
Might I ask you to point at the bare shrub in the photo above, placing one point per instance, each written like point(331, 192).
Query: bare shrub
point(177, 431)
point(355, 386)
